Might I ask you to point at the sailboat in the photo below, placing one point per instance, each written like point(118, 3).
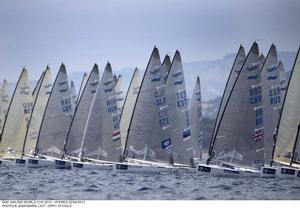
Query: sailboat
point(17, 120)
point(128, 107)
point(101, 142)
point(74, 141)
point(56, 120)
point(4, 103)
point(235, 70)
point(286, 148)
point(272, 100)
point(37, 86)
point(148, 145)
point(238, 143)
point(195, 112)
point(40, 101)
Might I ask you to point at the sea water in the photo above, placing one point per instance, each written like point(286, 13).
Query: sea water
point(45, 183)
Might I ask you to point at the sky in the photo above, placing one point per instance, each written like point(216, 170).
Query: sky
point(83, 32)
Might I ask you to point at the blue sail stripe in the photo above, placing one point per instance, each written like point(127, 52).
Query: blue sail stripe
point(63, 90)
point(251, 68)
point(283, 81)
point(94, 84)
point(252, 77)
point(155, 79)
point(272, 77)
point(107, 82)
point(154, 71)
point(47, 86)
point(108, 90)
point(198, 93)
point(24, 92)
point(62, 83)
point(178, 82)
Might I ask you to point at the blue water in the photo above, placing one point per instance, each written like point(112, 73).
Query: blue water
point(24, 183)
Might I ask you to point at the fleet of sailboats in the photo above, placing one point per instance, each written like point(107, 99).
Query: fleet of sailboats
point(155, 127)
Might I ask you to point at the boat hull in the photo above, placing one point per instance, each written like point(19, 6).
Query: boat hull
point(286, 172)
point(137, 168)
point(4, 162)
point(39, 163)
point(91, 166)
point(62, 164)
point(215, 170)
point(268, 172)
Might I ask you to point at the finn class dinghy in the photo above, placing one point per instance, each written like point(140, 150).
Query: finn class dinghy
point(285, 161)
point(74, 142)
point(149, 145)
point(237, 146)
point(55, 124)
point(42, 92)
point(101, 143)
point(195, 112)
point(16, 122)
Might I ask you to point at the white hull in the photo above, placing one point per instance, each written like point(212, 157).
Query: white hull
point(91, 166)
point(39, 163)
point(138, 168)
point(286, 172)
point(220, 171)
point(62, 164)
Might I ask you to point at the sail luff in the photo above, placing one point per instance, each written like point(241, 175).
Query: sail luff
point(4, 104)
point(129, 102)
point(82, 86)
point(38, 85)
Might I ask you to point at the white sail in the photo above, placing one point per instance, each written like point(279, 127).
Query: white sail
point(37, 86)
point(75, 134)
point(241, 126)
point(148, 135)
point(195, 112)
point(39, 106)
point(73, 96)
point(271, 100)
point(4, 103)
point(119, 92)
point(283, 79)
point(180, 130)
point(57, 117)
point(166, 65)
point(82, 85)
point(262, 59)
point(235, 70)
point(18, 114)
point(128, 107)
point(289, 119)
point(101, 139)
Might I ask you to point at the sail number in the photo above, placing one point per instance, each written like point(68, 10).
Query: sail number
point(274, 95)
point(66, 105)
point(181, 99)
point(112, 105)
point(255, 95)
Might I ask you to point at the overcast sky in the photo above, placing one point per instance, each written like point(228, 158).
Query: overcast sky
point(82, 32)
